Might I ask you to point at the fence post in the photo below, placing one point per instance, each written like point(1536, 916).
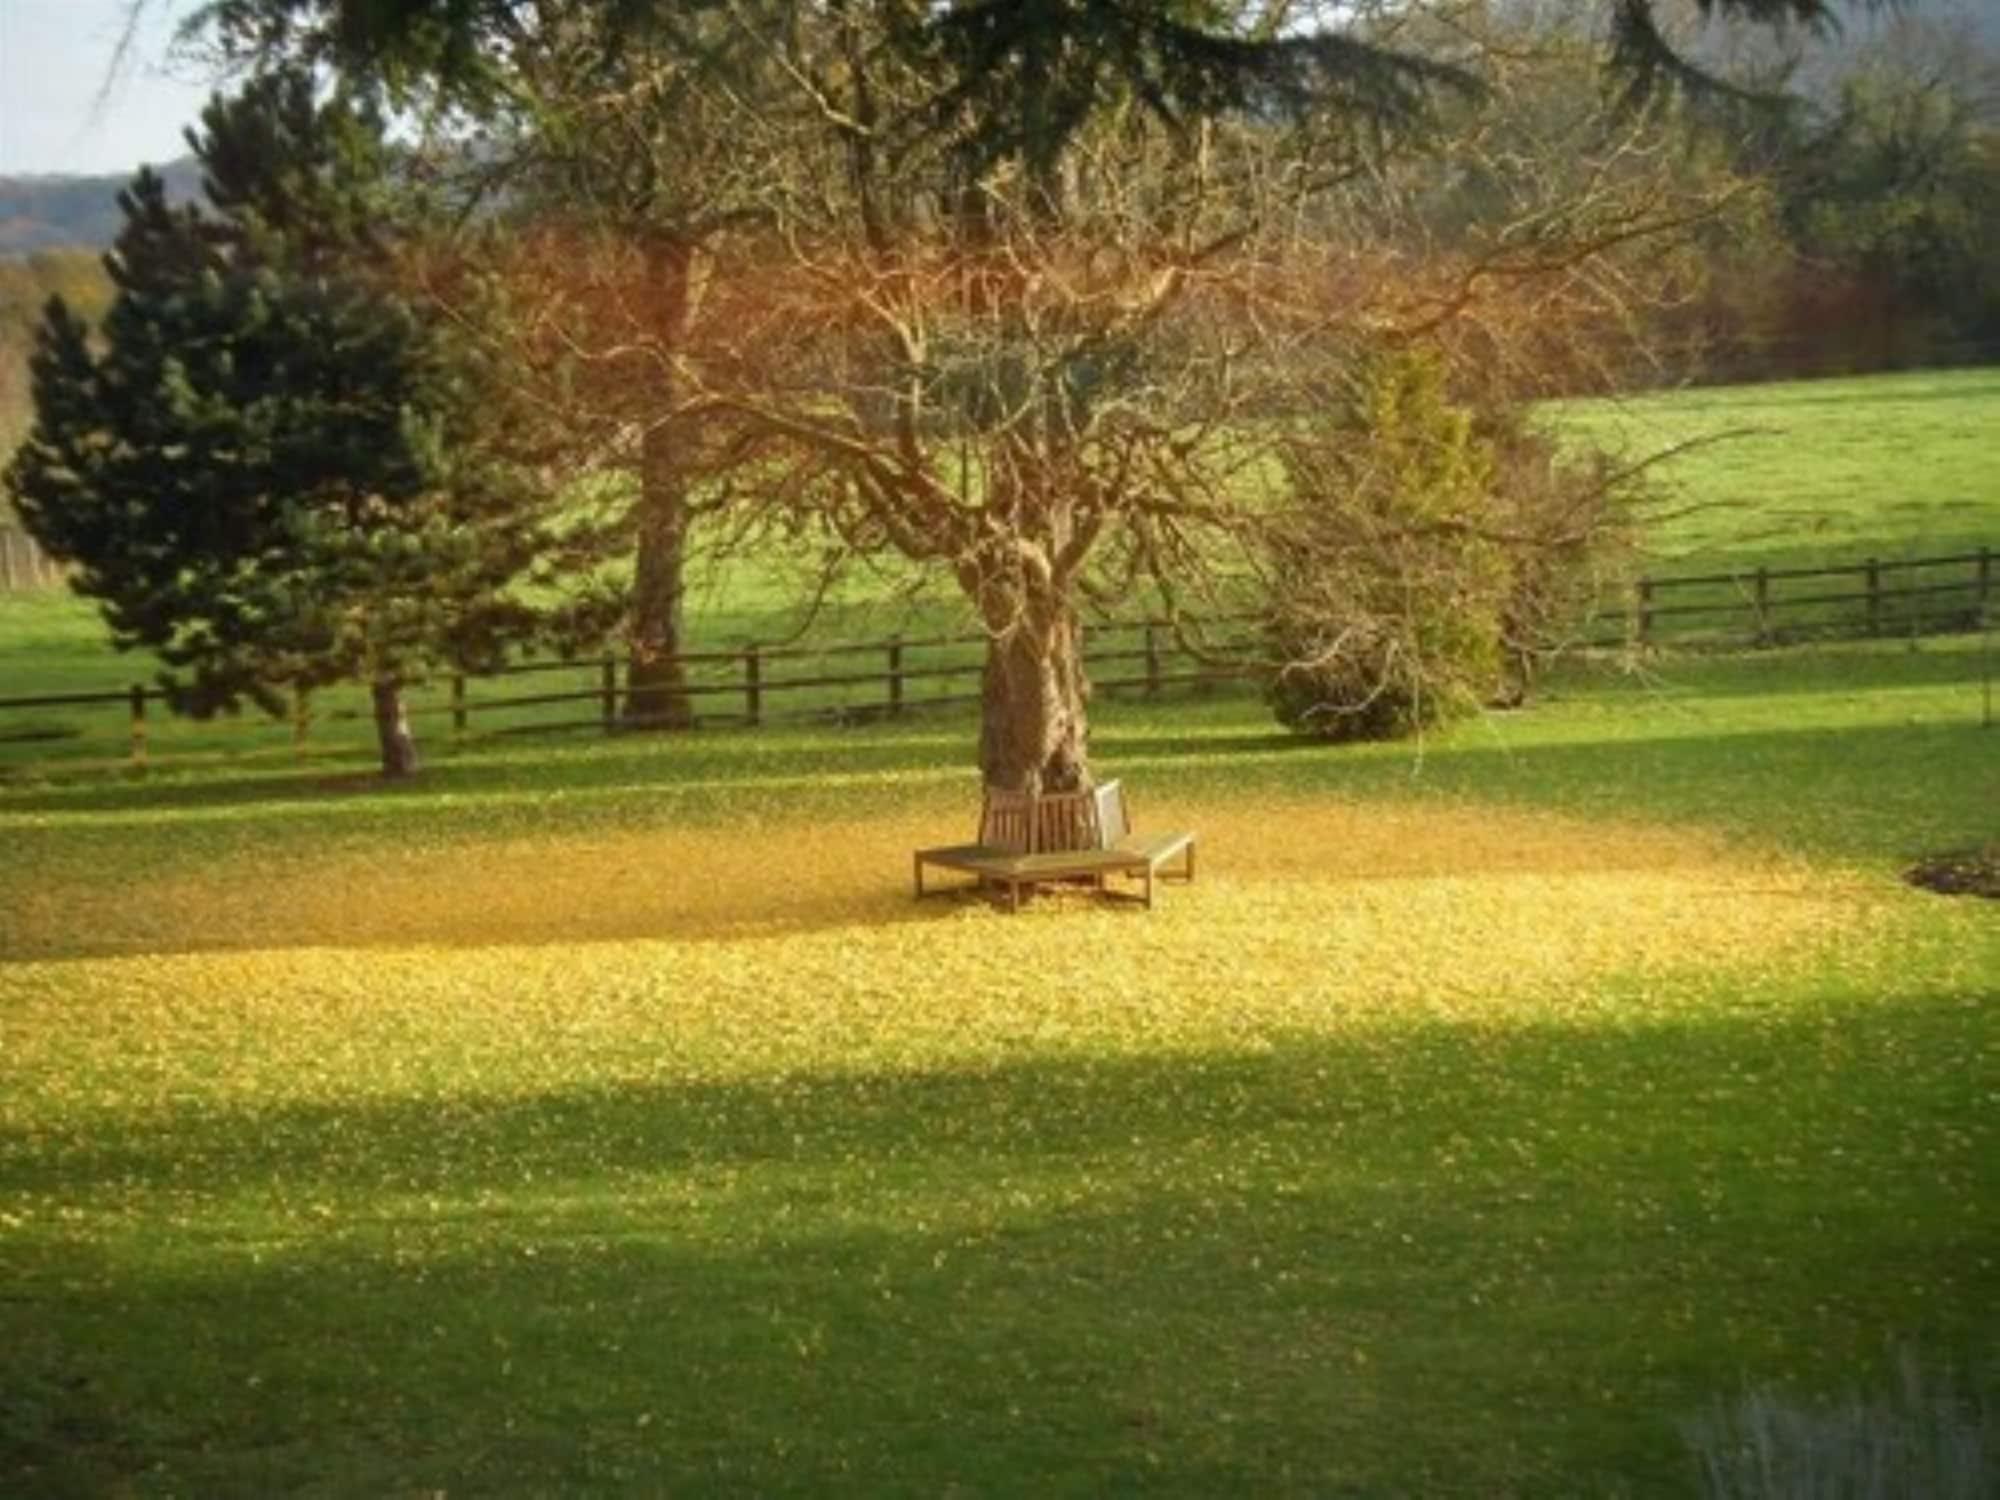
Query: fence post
point(1645, 610)
point(138, 702)
point(895, 676)
point(1984, 580)
point(1152, 661)
point(753, 685)
point(458, 709)
point(607, 691)
point(7, 559)
point(1874, 570)
point(1763, 606)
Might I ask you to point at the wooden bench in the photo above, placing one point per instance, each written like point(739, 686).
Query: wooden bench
point(1029, 841)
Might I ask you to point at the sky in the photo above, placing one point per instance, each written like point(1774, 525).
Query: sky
point(63, 109)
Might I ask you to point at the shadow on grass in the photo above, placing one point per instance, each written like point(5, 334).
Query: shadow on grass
point(1443, 1261)
point(688, 765)
point(707, 775)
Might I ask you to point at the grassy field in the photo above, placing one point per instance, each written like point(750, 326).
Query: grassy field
point(52, 642)
point(606, 1118)
point(601, 1116)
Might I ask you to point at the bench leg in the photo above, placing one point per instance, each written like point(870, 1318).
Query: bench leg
point(917, 875)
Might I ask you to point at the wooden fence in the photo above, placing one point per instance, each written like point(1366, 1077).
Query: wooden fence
point(1777, 606)
point(862, 681)
point(751, 685)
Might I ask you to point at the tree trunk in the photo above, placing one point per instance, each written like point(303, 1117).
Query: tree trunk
point(392, 729)
point(656, 681)
point(1033, 719)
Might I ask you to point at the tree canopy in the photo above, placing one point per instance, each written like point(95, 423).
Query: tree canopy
point(1187, 59)
point(1027, 292)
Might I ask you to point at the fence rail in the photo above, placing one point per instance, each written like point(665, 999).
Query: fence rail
point(860, 681)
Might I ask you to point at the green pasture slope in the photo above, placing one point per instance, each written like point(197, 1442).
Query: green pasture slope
point(1805, 473)
point(53, 643)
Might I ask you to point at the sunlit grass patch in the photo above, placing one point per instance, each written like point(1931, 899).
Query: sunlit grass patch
point(1278, 862)
point(737, 950)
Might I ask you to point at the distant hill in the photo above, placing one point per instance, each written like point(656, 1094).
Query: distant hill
point(60, 212)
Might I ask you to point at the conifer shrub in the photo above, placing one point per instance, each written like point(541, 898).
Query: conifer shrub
point(1429, 555)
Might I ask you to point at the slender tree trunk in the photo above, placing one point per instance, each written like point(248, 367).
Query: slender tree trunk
point(656, 681)
point(1033, 702)
point(392, 729)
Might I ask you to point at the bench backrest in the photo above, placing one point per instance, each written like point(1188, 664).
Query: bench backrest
point(1057, 823)
point(1007, 821)
point(1065, 821)
point(1114, 822)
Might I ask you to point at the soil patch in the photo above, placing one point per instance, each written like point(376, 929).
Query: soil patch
point(1967, 872)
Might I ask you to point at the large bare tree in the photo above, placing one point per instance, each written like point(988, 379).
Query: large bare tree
point(1064, 369)
point(1014, 277)
point(1020, 289)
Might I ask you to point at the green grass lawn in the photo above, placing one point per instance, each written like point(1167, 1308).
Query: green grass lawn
point(605, 1118)
point(600, 1115)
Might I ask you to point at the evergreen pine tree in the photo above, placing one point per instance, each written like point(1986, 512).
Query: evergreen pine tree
point(267, 466)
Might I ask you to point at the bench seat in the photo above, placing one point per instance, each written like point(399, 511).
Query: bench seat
point(1155, 849)
point(1144, 863)
point(971, 859)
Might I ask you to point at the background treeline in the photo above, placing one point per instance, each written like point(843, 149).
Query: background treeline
point(1872, 247)
point(1863, 239)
